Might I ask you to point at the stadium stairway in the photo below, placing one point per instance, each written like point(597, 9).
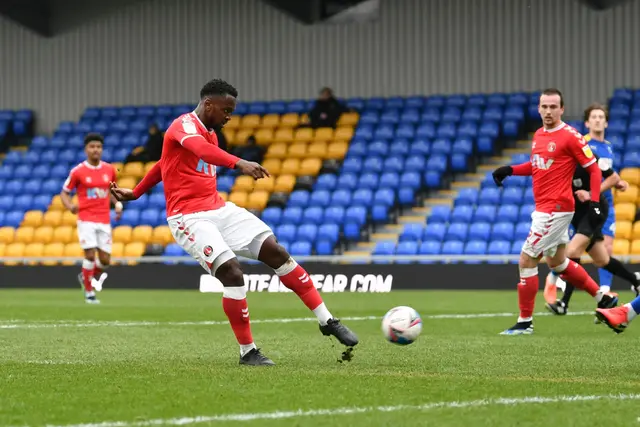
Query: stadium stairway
point(420, 214)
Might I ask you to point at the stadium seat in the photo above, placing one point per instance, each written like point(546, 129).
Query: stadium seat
point(625, 230)
point(289, 120)
point(277, 150)
point(621, 247)
point(69, 218)
point(162, 235)
point(240, 139)
point(297, 150)
point(64, 234)
point(243, 183)
point(123, 234)
point(625, 211)
point(32, 219)
point(310, 166)
point(239, 198)
point(250, 121)
point(117, 250)
point(14, 250)
point(52, 218)
point(134, 249)
point(274, 166)
point(257, 200)
point(631, 175)
point(629, 196)
point(264, 136)
point(53, 250)
point(7, 234)
point(142, 233)
point(285, 135)
point(43, 234)
point(284, 183)
point(411, 232)
point(265, 184)
point(24, 235)
point(303, 135)
point(270, 121)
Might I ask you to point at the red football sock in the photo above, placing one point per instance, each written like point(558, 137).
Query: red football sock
point(97, 271)
point(237, 312)
point(87, 274)
point(298, 281)
point(527, 291)
point(578, 277)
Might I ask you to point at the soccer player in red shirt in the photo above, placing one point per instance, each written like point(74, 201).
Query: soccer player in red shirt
point(91, 179)
point(555, 151)
point(213, 231)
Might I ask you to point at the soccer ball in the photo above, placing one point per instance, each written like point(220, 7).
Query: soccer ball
point(401, 325)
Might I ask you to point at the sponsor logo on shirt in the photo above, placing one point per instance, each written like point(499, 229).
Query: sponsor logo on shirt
point(587, 151)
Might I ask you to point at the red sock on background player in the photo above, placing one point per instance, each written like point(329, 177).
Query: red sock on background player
point(294, 277)
point(98, 270)
point(572, 272)
point(527, 291)
point(87, 274)
point(234, 304)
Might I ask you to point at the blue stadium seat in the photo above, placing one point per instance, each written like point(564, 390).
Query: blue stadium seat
point(151, 217)
point(334, 215)
point(6, 203)
point(457, 231)
point(410, 116)
point(489, 196)
point(437, 101)
point(631, 159)
point(618, 126)
point(258, 107)
point(324, 247)
point(75, 142)
point(378, 148)
point(357, 149)
point(437, 163)
point(496, 99)
point(362, 197)
point(414, 102)
point(52, 186)
point(391, 117)
point(456, 101)
point(22, 172)
point(6, 172)
point(327, 181)
point(430, 247)
point(307, 232)
point(368, 181)
point(434, 231)
point(477, 100)
point(352, 165)
point(503, 231)
point(13, 218)
point(515, 181)
point(354, 103)
point(467, 196)
point(441, 146)
point(484, 145)
point(130, 217)
point(447, 130)
point(41, 202)
point(391, 164)
point(451, 114)
point(426, 130)
point(452, 247)
point(525, 212)
point(475, 247)
point(384, 131)
point(389, 180)
point(522, 230)
point(298, 198)
point(510, 128)
point(32, 187)
point(329, 232)
point(433, 179)
point(472, 114)
point(512, 196)
point(406, 249)
point(493, 113)
point(411, 179)
point(515, 113)
point(277, 107)
point(369, 118)
point(286, 232)
point(157, 201)
point(480, 231)
point(313, 214)
point(508, 213)
point(516, 247)
point(13, 187)
point(301, 249)
point(420, 147)
point(373, 164)
point(347, 181)
point(490, 129)
point(384, 248)
point(380, 213)
point(485, 213)
point(499, 247)
point(291, 215)
point(375, 103)
point(405, 131)
point(439, 214)
point(459, 162)
point(356, 214)
point(23, 202)
point(271, 215)
point(320, 198)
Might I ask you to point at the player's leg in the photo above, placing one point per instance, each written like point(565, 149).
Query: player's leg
point(103, 260)
point(201, 238)
point(618, 318)
point(89, 242)
point(248, 236)
point(605, 277)
point(601, 258)
point(553, 281)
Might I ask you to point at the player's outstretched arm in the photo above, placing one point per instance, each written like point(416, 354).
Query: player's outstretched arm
point(503, 172)
point(150, 180)
point(210, 153)
point(65, 196)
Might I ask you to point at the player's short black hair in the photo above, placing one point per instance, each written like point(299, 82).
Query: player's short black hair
point(554, 91)
point(217, 87)
point(593, 107)
point(93, 137)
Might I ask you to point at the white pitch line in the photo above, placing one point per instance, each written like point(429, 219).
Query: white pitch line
point(280, 415)
point(121, 324)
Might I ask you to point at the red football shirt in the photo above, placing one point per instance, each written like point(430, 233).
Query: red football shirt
point(554, 155)
point(189, 182)
point(92, 185)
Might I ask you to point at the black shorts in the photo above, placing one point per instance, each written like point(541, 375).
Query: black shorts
point(582, 225)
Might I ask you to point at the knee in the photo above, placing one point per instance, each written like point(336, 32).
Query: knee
point(574, 253)
point(230, 273)
point(90, 256)
point(527, 261)
point(273, 253)
point(105, 260)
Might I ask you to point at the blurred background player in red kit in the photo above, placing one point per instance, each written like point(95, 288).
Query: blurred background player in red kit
point(213, 231)
point(555, 151)
point(91, 180)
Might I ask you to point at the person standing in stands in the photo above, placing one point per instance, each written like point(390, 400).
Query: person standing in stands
point(151, 151)
point(251, 151)
point(326, 111)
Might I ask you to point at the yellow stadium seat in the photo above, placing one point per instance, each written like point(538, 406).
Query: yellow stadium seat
point(297, 150)
point(229, 134)
point(69, 219)
point(290, 166)
point(56, 204)
point(273, 166)
point(142, 233)
point(631, 175)
point(250, 121)
point(624, 230)
point(239, 198)
point(243, 183)
point(53, 250)
point(118, 167)
point(621, 247)
point(337, 150)
point(264, 136)
point(318, 149)
point(265, 184)
point(148, 166)
point(310, 166)
point(43, 235)
point(127, 182)
point(343, 133)
point(74, 199)
point(257, 200)
point(122, 234)
point(284, 183)
point(277, 150)
point(162, 235)
point(629, 196)
point(117, 249)
point(134, 169)
point(14, 250)
point(270, 121)
point(64, 234)
point(223, 195)
point(52, 218)
point(134, 249)
point(234, 123)
point(303, 135)
point(7, 234)
point(3, 249)
point(348, 119)
point(24, 235)
point(289, 120)
point(32, 219)
point(323, 134)
point(635, 247)
point(635, 232)
point(33, 250)
point(625, 211)
point(242, 135)
point(283, 135)
point(73, 250)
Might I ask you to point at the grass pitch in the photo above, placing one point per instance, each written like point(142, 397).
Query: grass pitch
point(168, 358)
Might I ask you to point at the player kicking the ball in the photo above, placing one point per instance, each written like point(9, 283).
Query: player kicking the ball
point(213, 231)
point(91, 180)
point(555, 150)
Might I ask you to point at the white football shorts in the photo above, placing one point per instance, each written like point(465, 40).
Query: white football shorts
point(94, 235)
point(548, 231)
